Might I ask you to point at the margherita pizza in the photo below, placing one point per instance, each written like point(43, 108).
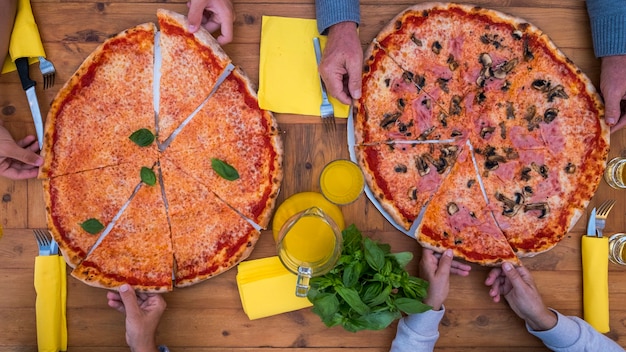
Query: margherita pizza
point(160, 167)
point(526, 126)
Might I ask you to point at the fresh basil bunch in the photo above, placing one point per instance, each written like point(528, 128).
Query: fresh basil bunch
point(368, 288)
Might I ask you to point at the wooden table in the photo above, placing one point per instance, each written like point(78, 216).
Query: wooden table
point(208, 316)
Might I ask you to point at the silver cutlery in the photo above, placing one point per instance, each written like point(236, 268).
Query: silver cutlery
point(602, 213)
point(46, 244)
point(326, 109)
point(29, 87)
point(47, 71)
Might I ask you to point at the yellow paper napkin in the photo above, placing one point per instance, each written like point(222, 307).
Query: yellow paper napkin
point(595, 260)
point(266, 288)
point(288, 78)
point(25, 39)
point(51, 288)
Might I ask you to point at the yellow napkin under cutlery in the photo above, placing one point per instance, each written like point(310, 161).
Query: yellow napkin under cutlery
point(266, 288)
point(289, 81)
point(25, 40)
point(595, 260)
point(50, 307)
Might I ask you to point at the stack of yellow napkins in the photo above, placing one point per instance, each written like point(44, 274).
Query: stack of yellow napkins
point(266, 288)
point(25, 40)
point(289, 81)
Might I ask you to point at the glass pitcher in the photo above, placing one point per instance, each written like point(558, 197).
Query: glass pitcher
point(308, 245)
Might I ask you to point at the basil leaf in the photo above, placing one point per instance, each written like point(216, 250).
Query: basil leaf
point(378, 320)
point(381, 297)
point(224, 170)
point(326, 305)
point(92, 226)
point(142, 137)
point(374, 255)
point(411, 306)
point(403, 258)
point(351, 296)
point(147, 176)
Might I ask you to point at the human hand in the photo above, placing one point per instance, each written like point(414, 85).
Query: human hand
point(212, 15)
point(613, 88)
point(342, 62)
point(436, 269)
point(519, 289)
point(18, 160)
point(143, 312)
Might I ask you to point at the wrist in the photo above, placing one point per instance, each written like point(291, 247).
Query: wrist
point(342, 27)
point(543, 321)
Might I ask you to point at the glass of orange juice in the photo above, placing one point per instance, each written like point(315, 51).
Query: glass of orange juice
point(308, 245)
point(615, 173)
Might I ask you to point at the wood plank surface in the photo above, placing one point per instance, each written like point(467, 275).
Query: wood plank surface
point(208, 316)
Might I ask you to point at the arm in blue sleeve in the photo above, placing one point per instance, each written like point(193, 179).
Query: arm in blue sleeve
point(330, 12)
point(572, 334)
point(608, 26)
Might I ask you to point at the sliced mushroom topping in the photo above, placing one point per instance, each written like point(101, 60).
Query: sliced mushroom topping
point(436, 47)
point(541, 169)
point(557, 92)
point(541, 85)
point(519, 198)
point(510, 207)
point(427, 103)
point(470, 183)
point(452, 63)
point(443, 119)
point(389, 119)
point(499, 74)
point(415, 40)
point(517, 34)
point(455, 105)
point(443, 84)
point(400, 168)
point(419, 80)
point(526, 173)
point(570, 168)
point(528, 55)
point(421, 165)
point(528, 190)
point(407, 76)
point(496, 158)
point(456, 133)
point(486, 131)
point(505, 86)
point(502, 130)
point(543, 207)
point(401, 104)
point(485, 60)
point(510, 111)
point(480, 97)
point(424, 135)
point(491, 165)
point(440, 164)
point(458, 241)
point(511, 153)
point(453, 208)
point(550, 114)
point(387, 82)
point(413, 193)
point(449, 151)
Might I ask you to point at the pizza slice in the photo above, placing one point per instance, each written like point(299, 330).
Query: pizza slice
point(92, 118)
point(81, 204)
point(403, 177)
point(137, 250)
point(190, 66)
point(221, 237)
point(458, 217)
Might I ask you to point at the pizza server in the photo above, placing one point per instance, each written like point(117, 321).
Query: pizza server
point(25, 47)
point(595, 259)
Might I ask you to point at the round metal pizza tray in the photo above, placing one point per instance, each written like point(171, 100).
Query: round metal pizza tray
point(351, 145)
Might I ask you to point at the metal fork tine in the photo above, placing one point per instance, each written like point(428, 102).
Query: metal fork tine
point(605, 207)
point(48, 72)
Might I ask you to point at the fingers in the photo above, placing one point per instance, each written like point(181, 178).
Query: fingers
point(619, 125)
point(115, 301)
point(194, 16)
point(445, 263)
point(129, 299)
point(354, 79)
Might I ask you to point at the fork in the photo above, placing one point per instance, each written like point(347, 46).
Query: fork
point(326, 109)
point(47, 246)
point(47, 71)
point(601, 214)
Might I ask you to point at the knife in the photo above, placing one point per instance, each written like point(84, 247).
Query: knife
point(595, 262)
point(29, 87)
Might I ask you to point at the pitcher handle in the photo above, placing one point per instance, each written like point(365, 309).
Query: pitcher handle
point(302, 284)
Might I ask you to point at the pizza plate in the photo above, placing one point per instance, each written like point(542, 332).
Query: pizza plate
point(351, 149)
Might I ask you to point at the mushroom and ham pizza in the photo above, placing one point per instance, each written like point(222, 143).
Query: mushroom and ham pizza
point(160, 167)
point(475, 125)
